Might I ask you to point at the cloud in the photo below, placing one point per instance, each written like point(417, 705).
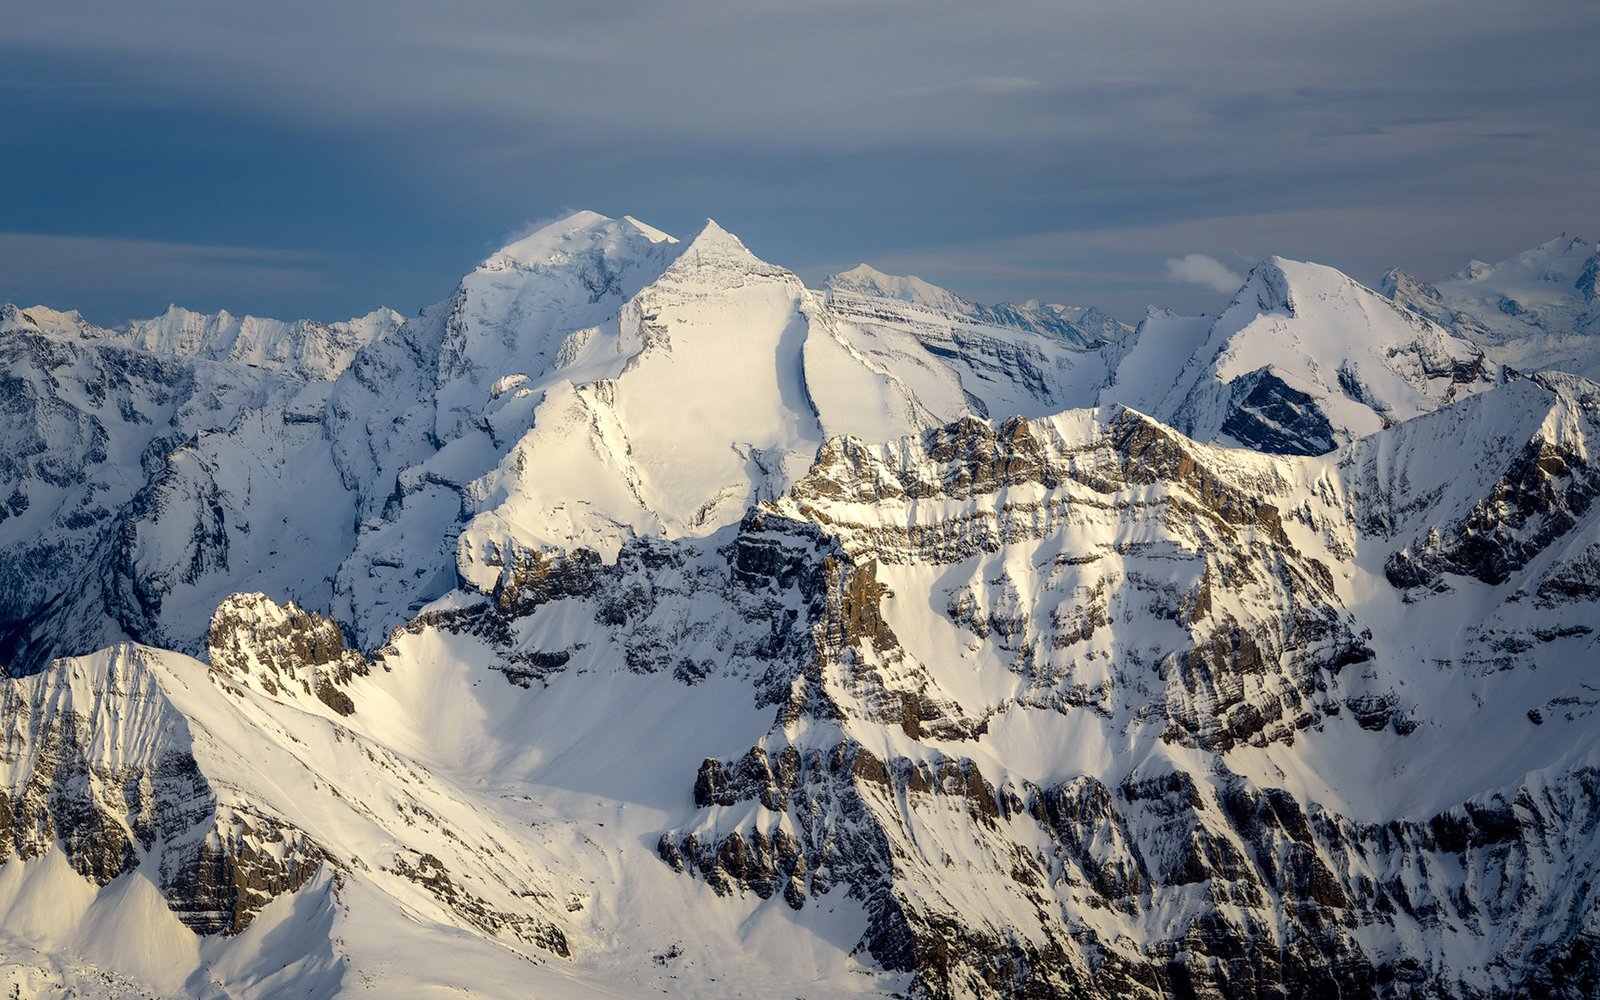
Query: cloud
point(1198, 269)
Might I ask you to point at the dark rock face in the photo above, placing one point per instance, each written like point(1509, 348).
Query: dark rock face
point(219, 885)
point(1541, 496)
point(1588, 283)
point(1269, 415)
point(283, 650)
point(110, 802)
point(1238, 890)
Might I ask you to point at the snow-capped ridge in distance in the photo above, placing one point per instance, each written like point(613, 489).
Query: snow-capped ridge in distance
point(1304, 359)
point(1555, 261)
point(1083, 326)
point(303, 348)
point(868, 280)
point(1534, 311)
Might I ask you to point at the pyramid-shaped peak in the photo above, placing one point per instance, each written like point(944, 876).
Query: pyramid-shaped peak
point(712, 234)
point(715, 247)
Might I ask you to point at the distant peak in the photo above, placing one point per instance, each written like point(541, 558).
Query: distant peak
point(555, 241)
point(12, 317)
point(380, 317)
point(865, 279)
point(864, 273)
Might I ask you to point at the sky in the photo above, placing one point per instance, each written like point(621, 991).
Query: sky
point(321, 159)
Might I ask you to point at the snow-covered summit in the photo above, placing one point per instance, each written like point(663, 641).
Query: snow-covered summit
point(1304, 359)
point(1557, 261)
point(554, 242)
point(1534, 311)
point(863, 279)
point(42, 318)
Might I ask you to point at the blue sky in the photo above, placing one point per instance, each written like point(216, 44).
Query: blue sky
point(321, 159)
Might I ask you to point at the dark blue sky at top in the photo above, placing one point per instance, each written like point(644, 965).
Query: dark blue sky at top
point(322, 159)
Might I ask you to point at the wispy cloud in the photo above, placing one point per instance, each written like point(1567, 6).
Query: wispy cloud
point(1199, 269)
point(1004, 84)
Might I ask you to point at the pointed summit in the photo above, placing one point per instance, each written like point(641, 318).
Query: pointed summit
point(1305, 358)
point(1272, 285)
point(713, 238)
point(715, 250)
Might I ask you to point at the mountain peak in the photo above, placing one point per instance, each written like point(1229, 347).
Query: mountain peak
point(867, 280)
point(1267, 286)
point(1555, 261)
point(712, 234)
point(13, 318)
point(714, 246)
point(571, 236)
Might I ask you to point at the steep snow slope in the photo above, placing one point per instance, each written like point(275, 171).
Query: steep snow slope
point(1536, 311)
point(421, 414)
point(138, 489)
point(1305, 359)
point(1009, 360)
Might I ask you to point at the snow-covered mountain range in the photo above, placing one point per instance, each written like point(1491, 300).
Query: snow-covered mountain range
point(638, 619)
point(1535, 311)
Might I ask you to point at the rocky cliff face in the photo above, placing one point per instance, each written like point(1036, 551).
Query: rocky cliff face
point(101, 766)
